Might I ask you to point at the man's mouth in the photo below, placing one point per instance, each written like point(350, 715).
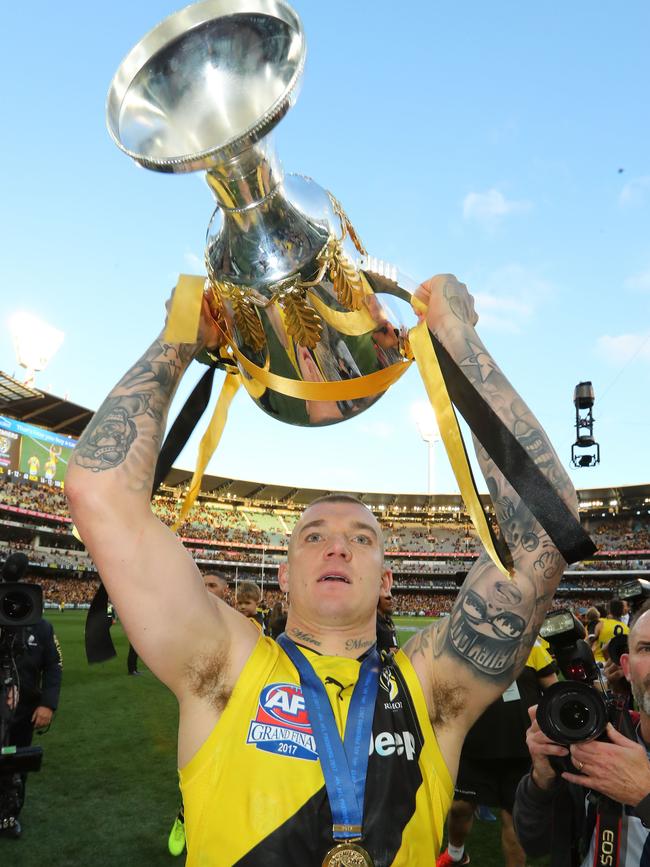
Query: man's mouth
point(334, 576)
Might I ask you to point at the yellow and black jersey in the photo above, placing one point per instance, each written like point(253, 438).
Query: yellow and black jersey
point(254, 792)
point(608, 629)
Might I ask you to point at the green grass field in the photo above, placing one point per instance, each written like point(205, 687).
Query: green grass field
point(107, 792)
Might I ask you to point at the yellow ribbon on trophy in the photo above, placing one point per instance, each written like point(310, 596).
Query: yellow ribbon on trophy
point(182, 327)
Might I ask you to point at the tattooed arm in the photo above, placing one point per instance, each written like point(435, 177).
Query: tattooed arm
point(153, 582)
point(468, 659)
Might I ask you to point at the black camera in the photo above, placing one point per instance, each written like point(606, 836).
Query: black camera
point(575, 710)
point(20, 604)
point(635, 592)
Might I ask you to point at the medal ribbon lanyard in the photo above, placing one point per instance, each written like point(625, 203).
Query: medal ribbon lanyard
point(344, 763)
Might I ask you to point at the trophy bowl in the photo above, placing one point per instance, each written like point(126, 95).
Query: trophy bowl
point(205, 83)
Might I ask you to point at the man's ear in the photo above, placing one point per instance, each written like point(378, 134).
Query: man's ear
point(625, 665)
point(283, 576)
point(386, 580)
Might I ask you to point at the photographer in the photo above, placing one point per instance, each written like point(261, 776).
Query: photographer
point(551, 813)
point(38, 663)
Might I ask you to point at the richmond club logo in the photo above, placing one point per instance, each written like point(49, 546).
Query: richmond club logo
point(281, 724)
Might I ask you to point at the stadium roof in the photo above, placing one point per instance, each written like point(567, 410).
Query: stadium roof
point(243, 491)
point(54, 413)
point(629, 497)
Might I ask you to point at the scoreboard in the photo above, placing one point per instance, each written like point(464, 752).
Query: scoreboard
point(32, 452)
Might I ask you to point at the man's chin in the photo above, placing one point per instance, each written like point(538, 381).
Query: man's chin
point(642, 698)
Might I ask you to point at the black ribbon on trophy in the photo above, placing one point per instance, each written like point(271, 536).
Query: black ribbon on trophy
point(303, 312)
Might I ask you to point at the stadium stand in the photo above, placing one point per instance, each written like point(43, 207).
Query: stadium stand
point(430, 545)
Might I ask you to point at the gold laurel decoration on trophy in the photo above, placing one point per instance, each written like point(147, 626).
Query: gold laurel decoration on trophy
point(345, 278)
point(347, 225)
point(246, 316)
point(304, 325)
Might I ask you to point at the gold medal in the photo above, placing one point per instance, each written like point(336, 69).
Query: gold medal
point(347, 855)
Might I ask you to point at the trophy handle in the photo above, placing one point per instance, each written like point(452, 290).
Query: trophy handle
point(387, 278)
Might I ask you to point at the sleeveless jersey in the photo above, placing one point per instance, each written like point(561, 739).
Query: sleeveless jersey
point(608, 630)
point(254, 792)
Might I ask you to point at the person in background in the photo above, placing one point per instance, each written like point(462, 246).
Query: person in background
point(607, 628)
point(248, 597)
point(386, 632)
point(493, 760)
point(553, 813)
point(39, 672)
point(277, 620)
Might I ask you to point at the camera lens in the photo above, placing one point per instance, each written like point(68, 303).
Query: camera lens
point(16, 605)
point(572, 712)
point(573, 715)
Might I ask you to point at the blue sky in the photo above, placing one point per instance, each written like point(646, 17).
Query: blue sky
point(480, 139)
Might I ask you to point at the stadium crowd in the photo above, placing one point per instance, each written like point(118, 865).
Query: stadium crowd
point(255, 542)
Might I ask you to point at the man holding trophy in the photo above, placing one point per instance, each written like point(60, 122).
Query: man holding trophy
point(256, 731)
point(315, 749)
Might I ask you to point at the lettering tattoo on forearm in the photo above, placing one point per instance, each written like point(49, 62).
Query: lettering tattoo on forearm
point(305, 637)
point(130, 423)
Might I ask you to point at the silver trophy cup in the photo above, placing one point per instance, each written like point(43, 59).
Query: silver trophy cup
point(202, 91)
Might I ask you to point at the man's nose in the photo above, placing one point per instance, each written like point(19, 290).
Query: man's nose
point(338, 546)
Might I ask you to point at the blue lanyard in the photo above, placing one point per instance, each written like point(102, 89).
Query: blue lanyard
point(344, 763)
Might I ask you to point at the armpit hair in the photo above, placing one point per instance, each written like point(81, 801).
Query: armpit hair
point(448, 701)
point(206, 677)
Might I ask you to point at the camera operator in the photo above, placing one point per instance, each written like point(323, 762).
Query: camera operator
point(552, 814)
point(39, 667)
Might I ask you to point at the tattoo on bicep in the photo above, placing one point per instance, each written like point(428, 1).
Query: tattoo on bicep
point(548, 563)
point(130, 422)
point(487, 625)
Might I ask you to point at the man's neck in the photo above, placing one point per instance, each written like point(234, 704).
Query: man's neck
point(351, 641)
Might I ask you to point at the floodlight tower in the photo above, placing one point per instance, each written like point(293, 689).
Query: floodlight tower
point(583, 399)
point(35, 343)
point(427, 426)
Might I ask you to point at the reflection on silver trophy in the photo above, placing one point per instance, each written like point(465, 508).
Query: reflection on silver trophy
point(202, 91)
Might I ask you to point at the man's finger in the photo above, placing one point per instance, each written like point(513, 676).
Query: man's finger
point(580, 780)
point(616, 737)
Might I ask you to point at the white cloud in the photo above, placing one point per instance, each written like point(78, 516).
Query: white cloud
point(635, 192)
point(640, 282)
point(490, 207)
point(510, 298)
point(622, 348)
point(196, 263)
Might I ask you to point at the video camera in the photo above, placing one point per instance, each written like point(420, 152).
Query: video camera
point(575, 710)
point(20, 605)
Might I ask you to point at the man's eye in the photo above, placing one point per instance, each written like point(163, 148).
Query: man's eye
point(363, 540)
point(313, 537)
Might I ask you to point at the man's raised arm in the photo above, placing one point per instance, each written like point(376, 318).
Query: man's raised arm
point(150, 577)
point(468, 659)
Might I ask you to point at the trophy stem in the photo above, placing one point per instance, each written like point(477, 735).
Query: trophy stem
point(245, 181)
